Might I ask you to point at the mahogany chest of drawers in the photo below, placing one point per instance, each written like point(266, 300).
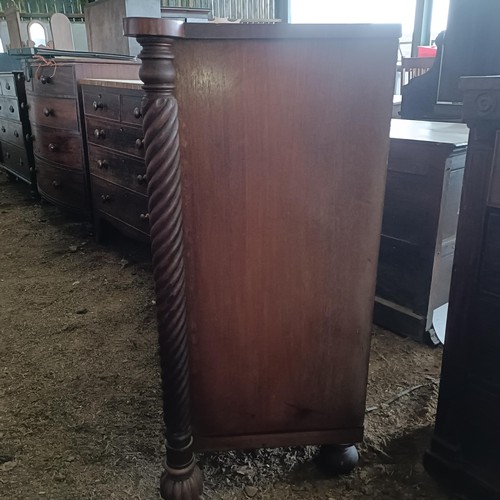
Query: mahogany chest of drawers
point(15, 132)
point(113, 122)
point(56, 114)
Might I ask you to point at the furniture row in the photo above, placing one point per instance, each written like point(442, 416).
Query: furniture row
point(89, 152)
point(466, 440)
point(57, 120)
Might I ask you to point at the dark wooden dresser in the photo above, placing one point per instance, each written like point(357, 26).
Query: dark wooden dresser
point(113, 122)
point(56, 115)
point(15, 132)
point(266, 162)
point(424, 184)
point(466, 441)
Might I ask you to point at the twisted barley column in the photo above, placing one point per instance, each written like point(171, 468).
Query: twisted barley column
point(181, 479)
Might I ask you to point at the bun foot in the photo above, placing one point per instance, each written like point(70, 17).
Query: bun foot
point(338, 459)
point(181, 484)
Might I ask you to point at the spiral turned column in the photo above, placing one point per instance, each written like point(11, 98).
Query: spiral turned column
point(181, 479)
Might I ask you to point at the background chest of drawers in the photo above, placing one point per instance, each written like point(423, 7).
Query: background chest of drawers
point(422, 197)
point(56, 115)
point(16, 150)
point(117, 170)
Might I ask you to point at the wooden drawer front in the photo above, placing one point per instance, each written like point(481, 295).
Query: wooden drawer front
point(61, 186)
point(53, 112)
point(16, 159)
point(101, 104)
point(58, 146)
point(8, 85)
point(9, 108)
point(118, 169)
point(120, 204)
point(131, 109)
point(46, 81)
point(118, 137)
point(12, 132)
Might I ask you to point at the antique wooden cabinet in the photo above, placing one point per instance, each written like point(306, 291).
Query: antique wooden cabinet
point(466, 440)
point(113, 121)
point(56, 115)
point(424, 183)
point(15, 132)
point(266, 160)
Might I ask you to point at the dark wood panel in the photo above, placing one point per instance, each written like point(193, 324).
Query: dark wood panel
point(101, 104)
point(62, 186)
point(404, 274)
point(125, 138)
point(494, 198)
point(119, 169)
point(15, 159)
point(277, 278)
point(53, 112)
point(490, 267)
point(9, 108)
point(59, 146)
point(484, 351)
point(12, 132)
point(120, 205)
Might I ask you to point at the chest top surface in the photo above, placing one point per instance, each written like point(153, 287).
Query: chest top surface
point(426, 131)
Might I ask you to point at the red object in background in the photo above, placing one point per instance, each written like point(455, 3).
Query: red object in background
point(425, 51)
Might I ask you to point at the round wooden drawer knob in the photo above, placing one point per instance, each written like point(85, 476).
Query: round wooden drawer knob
point(56, 184)
point(11, 109)
point(47, 111)
point(137, 112)
point(7, 86)
point(52, 147)
point(139, 143)
point(106, 198)
point(102, 163)
point(16, 133)
point(97, 105)
point(141, 179)
point(144, 216)
point(99, 134)
point(45, 79)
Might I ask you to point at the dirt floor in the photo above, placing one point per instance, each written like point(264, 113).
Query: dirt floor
point(80, 409)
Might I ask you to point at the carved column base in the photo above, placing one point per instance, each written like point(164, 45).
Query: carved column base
point(181, 484)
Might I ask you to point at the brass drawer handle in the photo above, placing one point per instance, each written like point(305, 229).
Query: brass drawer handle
point(137, 113)
point(102, 163)
point(52, 147)
point(47, 111)
point(144, 216)
point(106, 198)
point(56, 184)
point(139, 143)
point(97, 105)
point(46, 79)
point(141, 179)
point(99, 134)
